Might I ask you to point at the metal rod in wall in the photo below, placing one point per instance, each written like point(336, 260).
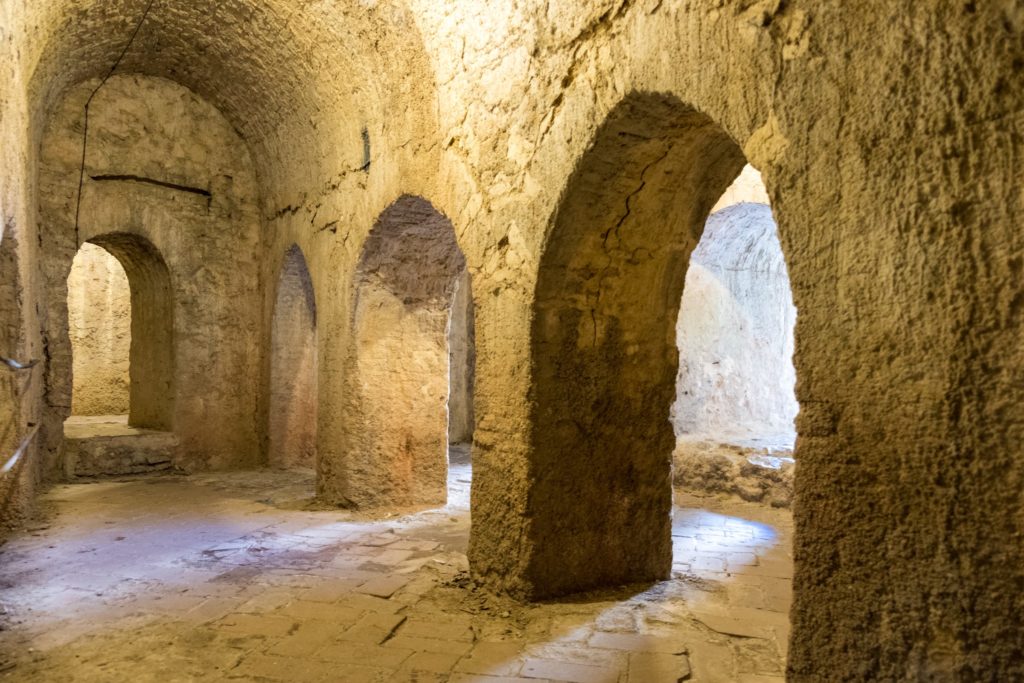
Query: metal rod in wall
point(13, 460)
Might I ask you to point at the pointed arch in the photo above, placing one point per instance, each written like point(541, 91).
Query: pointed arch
point(604, 357)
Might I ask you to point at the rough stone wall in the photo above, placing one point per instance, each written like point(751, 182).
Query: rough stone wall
point(165, 167)
point(895, 200)
point(909, 435)
point(735, 332)
point(461, 363)
point(19, 392)
point(293, 367)
point(889, 137)
point(99, 324)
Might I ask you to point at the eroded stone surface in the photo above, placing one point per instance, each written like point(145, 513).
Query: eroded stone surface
point(752, 471)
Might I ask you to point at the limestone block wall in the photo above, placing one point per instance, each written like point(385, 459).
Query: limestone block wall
point(163, 167)
point(99, 325)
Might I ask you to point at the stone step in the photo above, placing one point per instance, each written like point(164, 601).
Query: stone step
point(97, 447)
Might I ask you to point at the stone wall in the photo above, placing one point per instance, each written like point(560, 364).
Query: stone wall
point(99, 324)
point(461, 363)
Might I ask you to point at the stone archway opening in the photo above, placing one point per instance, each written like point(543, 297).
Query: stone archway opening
point(411, 363)
point(293, 367)
point(605, 363)
point(461, 376)
point(119, 304)
point(120, 324)
point(735, 405)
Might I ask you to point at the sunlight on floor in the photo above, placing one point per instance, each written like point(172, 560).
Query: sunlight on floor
point(234, 576)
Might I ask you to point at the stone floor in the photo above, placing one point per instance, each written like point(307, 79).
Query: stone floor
point(239, 577)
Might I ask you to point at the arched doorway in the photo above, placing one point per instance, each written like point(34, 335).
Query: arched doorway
point(735, 406)
point(121, 328)
point(293, 367)
point(400, 378)
point(604, 354)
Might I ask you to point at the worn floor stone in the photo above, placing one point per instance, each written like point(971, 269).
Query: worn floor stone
point(240, 577)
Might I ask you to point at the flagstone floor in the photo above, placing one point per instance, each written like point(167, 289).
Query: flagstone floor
point(238, 577)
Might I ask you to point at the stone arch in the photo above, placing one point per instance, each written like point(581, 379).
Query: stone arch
point(603, 348)
point(398, 376)
point(151, 354)
point(293, 366)
point(199, 205)
point(254, 44)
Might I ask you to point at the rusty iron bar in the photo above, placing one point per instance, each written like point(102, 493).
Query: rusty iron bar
point(13, 460)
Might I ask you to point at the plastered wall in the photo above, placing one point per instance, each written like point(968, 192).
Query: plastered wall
point(889, 137)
